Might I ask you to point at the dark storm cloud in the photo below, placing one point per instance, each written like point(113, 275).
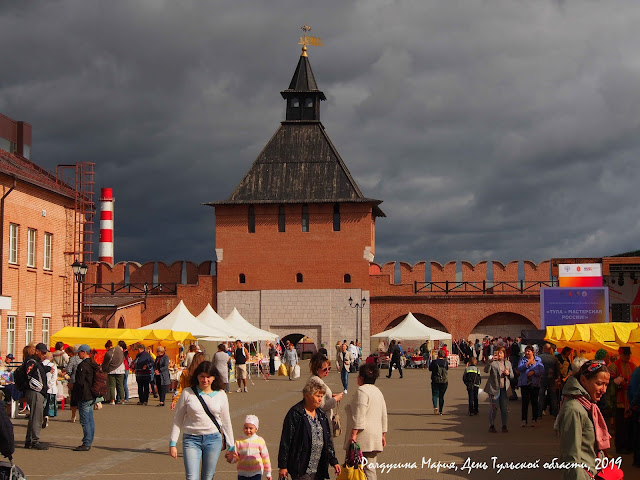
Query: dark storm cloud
point(492, 130)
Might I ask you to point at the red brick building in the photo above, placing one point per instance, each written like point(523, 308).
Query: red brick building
point(36, 229)
point(295, 242)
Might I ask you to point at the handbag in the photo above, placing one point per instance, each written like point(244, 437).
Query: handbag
point(282, 370)
point(296, 372)
point(352, 469)
point(336, 425)
point(213, 419)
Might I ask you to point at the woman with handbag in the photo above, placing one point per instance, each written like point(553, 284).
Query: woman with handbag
point(202, 413)
point(367, 418)
point(306, 447)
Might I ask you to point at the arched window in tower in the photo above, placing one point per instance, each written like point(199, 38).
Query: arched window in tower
point(299, 277)
point(308, 102)
point(252, 219)
point(242, 278)
point(347, 278)
point(336, 217)
point(305, 218)
point(294, 102)
point(282, 219)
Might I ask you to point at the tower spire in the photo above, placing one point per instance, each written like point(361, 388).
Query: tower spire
point(304, 40)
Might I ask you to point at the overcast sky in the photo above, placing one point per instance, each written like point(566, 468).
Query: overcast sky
point(504, 130)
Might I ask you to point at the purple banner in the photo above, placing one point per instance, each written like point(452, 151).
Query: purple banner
point(569, 306)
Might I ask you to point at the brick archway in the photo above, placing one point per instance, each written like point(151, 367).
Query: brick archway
point(501, 324)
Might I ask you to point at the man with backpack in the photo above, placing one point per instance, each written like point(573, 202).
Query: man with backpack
point(31, 378)
point(439, 369)
point(82, 392)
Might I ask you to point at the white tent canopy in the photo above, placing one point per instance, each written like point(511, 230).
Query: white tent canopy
point(248, 331)
point(211, 319)
point(182, 320)
point(411, 329)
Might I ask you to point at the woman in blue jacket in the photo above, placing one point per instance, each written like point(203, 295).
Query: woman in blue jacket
point(531, 370)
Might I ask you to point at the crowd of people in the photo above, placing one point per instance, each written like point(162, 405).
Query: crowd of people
point(586, 397)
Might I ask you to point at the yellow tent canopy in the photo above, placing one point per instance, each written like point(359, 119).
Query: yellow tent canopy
point(97, 337)
point(591, 337)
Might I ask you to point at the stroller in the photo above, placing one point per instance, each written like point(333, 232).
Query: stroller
point(8, 471)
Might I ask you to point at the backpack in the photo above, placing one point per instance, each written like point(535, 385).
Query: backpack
point(99, 387)
point(20, 377)
point(7, 441)
point(9, 471)
point(441, 375)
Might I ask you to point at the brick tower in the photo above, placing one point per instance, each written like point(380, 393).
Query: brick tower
point(295, 239)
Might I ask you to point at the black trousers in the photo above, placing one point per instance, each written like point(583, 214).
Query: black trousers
point(529, 394)
point(162, 389)
point(397, 363)
point(624, 432)
point(143, 387)
point(473, 399)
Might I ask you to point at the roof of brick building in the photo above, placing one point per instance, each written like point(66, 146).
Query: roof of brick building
point(299, 164)
point(27, 171)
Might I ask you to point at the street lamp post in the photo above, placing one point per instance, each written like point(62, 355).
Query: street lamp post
point(357, 306)
point(79, 270)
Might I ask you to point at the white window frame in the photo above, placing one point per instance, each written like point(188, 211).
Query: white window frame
point(48, 250)
point(31, 247)
point(11, 334)
point(28, 330)
point(13, 243)
point(46, 322)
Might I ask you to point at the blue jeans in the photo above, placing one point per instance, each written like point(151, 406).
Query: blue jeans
point(86, 420)
point(344, 376)
point(205, 448)
point(437, 395)
point(501, 401)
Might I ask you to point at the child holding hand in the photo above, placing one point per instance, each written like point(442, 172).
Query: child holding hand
point(251, 453)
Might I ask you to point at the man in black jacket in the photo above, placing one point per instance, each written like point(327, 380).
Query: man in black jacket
point(394, 358)
point(35, 394)
point(82, 393)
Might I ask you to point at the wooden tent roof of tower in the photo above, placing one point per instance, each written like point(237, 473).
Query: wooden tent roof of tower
point(299, 164)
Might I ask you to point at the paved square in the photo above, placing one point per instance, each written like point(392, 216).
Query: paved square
point(133, 441)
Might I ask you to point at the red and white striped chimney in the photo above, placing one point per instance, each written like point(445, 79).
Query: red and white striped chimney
point(106, 226)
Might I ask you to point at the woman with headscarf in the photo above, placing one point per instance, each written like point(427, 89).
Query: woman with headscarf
point(583, 430)
point(306, 447)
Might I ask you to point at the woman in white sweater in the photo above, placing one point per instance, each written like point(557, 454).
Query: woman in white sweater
point(367, 418)
point(201, 438)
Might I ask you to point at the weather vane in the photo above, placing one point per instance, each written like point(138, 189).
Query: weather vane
point(304, 41)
